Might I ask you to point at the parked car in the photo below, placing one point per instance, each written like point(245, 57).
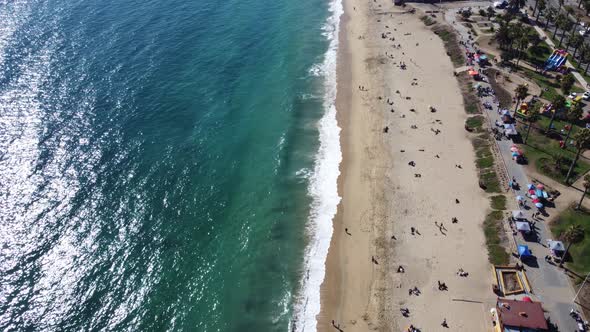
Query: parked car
point(586, 95)
point(500, 4)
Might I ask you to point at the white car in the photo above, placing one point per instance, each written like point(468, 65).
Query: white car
point(586, 95)
point(572, 95)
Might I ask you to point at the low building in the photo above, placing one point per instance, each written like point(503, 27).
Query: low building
point(519, 316)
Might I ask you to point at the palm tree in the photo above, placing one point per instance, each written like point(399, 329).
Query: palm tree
point(521, 92)
point(582, 143)
point(558, 104)
point(542, 6)
point(559, 22)
point(572, 235)
point(586, 185)
point(503, 35)
point(575, 41)
point(557, 160)
point(533, 116)
point(573, 114)
point(522, 45)
point(585, 56)
point(550, 16)
point(566, 25)
point(560, 5)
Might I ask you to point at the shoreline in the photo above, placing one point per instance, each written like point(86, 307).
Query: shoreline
point(382, 198)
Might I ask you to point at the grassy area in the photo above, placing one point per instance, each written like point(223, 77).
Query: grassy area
point(498, 202)
point(475, 123)
point(540, 150)
point(548, 85)
point(492, 225)
point(579, 253)
point(485, 164)
point(538, 55)
point(428, 21)
point(449, 39)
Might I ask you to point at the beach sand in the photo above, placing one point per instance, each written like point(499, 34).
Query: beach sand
point(381, 195)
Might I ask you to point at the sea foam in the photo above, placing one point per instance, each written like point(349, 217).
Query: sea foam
point(323, 186)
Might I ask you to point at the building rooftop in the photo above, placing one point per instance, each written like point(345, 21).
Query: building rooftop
point(521, 314)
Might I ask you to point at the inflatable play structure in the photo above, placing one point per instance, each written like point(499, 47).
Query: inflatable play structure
point(523, 110)
point(556, 60)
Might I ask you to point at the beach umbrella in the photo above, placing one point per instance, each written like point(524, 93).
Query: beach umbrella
point(531, 191)
point(527, 299)
point(515, 154)
point(539, 205)
point(472, 72)
point(540, 186)
point(530, 186)
point(514, 149)
point(519, 198)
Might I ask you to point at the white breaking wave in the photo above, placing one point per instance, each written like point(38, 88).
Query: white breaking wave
point(323, 185)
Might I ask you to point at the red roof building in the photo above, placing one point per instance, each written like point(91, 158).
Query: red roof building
point(516, 315)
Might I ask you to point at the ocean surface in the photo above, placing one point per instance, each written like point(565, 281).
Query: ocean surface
point(166, 165)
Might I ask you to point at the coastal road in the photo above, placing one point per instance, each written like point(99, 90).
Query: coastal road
point(549, 283)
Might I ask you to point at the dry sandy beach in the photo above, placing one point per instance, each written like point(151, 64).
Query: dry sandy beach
point(383, 196)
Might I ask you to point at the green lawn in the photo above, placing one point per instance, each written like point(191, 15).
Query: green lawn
point(539, 54)
point(492, 227)
point(540, 149)
point(485, 163)
point(548, 85)
point(498, 202)
point(579, 253)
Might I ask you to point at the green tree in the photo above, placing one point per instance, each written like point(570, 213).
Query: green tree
point(586, 185)
point(490, 12)
point(542, 6)
point(550, 16)
point(560, 5)
point(559, 22)
point(521, 92)
point(587, 6)
point(582, 143)
point(522, 44)
point(585, 56)
point(557, 161)
point(503, 35)
point(567, 82)
point(575, 41)
point(566, 25)
point(533, 116)
point(573, 114)
point(466, 14)
point(558, 105)
point(572, 235)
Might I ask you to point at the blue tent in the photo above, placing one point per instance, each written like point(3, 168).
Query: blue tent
point(524, 251)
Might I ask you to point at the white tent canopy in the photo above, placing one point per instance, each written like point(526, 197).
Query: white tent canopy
point(517, 214)
point(523, 226)
point(510, 129)
point(555, 245)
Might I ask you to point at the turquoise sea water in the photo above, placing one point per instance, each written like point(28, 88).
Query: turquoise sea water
point(156, 160)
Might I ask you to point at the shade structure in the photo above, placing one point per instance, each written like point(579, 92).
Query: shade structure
point(531, 191)
point(524, 251)
point(515, 154)
point(539, 205)
point(540, 186)
point(533, 197)
point(536, 200)
point(519, 198)
point(472, 72)
point(527, 299)
point(510, 129)
point(513, 149)
point(523, 226)
point(530, 186)
point(555, 245)
point(517, 214)
point(506, 112)
point(539, 193)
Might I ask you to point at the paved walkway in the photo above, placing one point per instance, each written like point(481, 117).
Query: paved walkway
point(550, 284)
